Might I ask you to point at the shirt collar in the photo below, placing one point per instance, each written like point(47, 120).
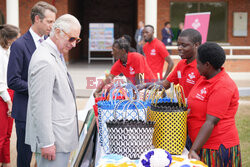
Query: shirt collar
point(216, 77)
point(35, 36)
point(193, 63)
point(53, 45)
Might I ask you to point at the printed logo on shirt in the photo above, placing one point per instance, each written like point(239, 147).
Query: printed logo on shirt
point(202, 94)
point(153, 52)
point(190, 78)
point(132, 71)
point(179, 74)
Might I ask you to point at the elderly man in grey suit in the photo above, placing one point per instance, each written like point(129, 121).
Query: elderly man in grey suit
point(52, 128)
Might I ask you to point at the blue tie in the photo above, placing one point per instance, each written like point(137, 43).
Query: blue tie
point(62, 59)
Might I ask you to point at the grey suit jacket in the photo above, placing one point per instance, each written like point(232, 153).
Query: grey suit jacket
point(51, 113)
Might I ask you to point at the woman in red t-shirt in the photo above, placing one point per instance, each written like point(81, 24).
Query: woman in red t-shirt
point(131, 64)
point(213, 103)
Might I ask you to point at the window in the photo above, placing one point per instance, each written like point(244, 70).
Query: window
point(217, 30)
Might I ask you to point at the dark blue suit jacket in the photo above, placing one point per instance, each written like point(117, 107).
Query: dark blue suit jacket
point(166, 35)
point(20, 54)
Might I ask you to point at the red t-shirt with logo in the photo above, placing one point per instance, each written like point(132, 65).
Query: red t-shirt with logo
point(155, 52)
point(136, 63)
point(185, 74)
point(218, 97)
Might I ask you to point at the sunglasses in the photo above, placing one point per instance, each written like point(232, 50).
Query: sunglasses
point(72, 39)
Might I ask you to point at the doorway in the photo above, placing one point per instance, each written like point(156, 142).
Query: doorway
point(123, 13)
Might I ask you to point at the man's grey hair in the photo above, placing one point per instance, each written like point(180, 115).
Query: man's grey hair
point(65, 23)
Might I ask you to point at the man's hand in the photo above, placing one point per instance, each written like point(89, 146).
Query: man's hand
point(96, 94)
point(49, 153)
point(9, 103)
point(193, 155)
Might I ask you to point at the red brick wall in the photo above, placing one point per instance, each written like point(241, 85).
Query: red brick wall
point(233, 6)
point(141, 11)
point(25, 8)
point(238, 6)
point(3, 8)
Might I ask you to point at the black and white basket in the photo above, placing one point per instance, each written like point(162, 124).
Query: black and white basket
point(130, 138)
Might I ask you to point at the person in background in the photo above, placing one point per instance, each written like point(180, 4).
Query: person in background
point(52, 124)
point(181, 28)
point(139, 38)
point(185, 73)
point(131, 64)
point(8, 34)
point(156, 53)
point(43, 16)
point(213, 103)
point(167, 35)
point(129, 39)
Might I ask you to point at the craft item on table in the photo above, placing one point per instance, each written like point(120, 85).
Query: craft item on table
point(170, 123)
point(106, 111)
point(114, 160)
point(155, 92)
point(130, 138)
point(155, 158)
point(185, 162)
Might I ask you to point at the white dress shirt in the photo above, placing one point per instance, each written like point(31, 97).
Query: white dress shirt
point(36, 37)
point(4, 59)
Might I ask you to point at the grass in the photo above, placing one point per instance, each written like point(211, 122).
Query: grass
point(243, 126)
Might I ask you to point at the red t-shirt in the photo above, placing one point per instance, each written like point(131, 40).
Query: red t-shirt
point(185, 74)
point(136, 64)
point(218, 97)
point(155, 52)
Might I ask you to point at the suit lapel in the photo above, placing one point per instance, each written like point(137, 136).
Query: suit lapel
point(29, 42)
point(54, 53)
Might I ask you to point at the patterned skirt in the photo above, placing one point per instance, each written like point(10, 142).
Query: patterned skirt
point(222, 157)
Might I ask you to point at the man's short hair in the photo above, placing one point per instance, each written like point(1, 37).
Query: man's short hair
point(39, 9)
point(193, 35)
point(122, 44)
point(166, 23)
point(149, 26)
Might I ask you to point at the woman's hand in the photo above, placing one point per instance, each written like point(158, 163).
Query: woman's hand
point(193, 155)
point(9, 103)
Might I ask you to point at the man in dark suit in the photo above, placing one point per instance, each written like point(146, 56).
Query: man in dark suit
point(43, 16)
point(139, 38)
point(167, 35)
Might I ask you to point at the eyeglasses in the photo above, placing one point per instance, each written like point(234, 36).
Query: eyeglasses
point(72, 39)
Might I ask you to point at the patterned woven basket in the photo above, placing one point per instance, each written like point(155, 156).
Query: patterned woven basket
point(130, 138)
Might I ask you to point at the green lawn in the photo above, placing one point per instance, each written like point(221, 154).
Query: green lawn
point(243, 125)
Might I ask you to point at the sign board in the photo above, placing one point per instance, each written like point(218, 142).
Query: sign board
point(240, 24)
point(199, 22)
point(101, 36)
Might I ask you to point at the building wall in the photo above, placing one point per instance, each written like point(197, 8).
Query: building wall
point(163, 13)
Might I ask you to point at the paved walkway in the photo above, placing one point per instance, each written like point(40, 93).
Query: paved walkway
point(83, 74)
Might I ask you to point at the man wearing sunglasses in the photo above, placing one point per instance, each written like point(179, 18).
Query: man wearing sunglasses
point(43, 16)
point(52, 128)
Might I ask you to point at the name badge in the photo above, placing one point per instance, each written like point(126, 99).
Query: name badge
point(179, 74)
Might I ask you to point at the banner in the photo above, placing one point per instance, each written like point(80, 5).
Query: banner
point(199, 22)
